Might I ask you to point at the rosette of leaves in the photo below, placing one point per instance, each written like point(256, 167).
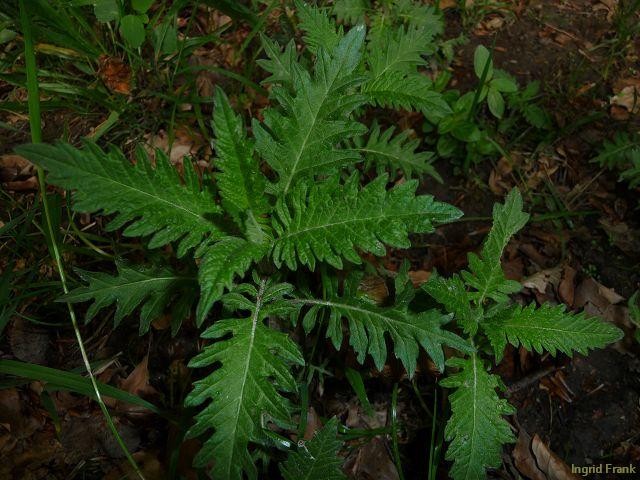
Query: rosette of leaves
point(286, 198)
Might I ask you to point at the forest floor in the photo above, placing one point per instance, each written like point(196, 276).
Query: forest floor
point(581, 248)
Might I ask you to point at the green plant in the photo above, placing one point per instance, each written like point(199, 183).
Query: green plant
point(479, 299)
point(457, 128)
point(279, 232)
point(626, 26)
point(388, 13)
point(634, 312)
point(464, 133)
point(111, 62)
point(304, 213)
point(622, 154)
point(133, 24)
point(473, 13)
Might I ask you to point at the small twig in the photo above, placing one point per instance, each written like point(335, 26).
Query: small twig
point(573, 37)
point(529, 380)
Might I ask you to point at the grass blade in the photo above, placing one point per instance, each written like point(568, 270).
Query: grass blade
point(61, 380)
point(36, 137)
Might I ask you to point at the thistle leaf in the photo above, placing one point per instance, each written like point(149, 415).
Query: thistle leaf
point(398, 50)
point(220, 263)
point(329, 221)
point(350, 11)
point(476, 429)
point(368, 324)
point(622, 154)
point(254, 369)
point(409, 92)
point(153, 201)
point(280, 64)
point(320, 30)
point(452, 294)
point(419, 15)
point(393, 57)
point(485, 271)
point(397, 153)
point(240, 181)
point(152, 287)
point(304, 140)
point(549, 328)
point(615, 153)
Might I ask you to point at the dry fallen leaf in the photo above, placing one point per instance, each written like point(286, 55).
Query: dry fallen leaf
point(566, 289)
point(30, 183)
point(619, 113)
point(623, 237)
point(137, 383)
point(13, 166)
point(444, 4)
point(184, 143)
point(549, 463)
point(313, 424)
point(628, 98)
point(497, 184)
point(115, 74)
point(418, 277)
point(540, 280)
point(536, 461)
point(524, 460)
point(599, 301)
point(374, 288)
point(489, 25)
point(610, 6)
point(372, 462)
point(592, 292)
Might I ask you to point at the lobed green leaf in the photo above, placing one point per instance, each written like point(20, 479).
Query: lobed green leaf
point(476, 429)
point(152, 201)
point(549, 328)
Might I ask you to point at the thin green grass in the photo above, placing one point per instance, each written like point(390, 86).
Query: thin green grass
point(394, 431)
point(36, 136)
point(60, 380)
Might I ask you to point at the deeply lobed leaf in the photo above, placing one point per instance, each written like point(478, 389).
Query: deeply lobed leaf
point(452, 294)
point(330, 220)
point(302, 140)
point(476, 429)
point(369, 324)
point(398, 50)
point(549, 328)
point(280, 64)
point(153, 287)
point(152, 201)
point(220, 263)
point(253, 372)
point(240, 181)
point(485, 273)
point(320, 30)
point(397, 153)
point(393, 58)
point(350, 11)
